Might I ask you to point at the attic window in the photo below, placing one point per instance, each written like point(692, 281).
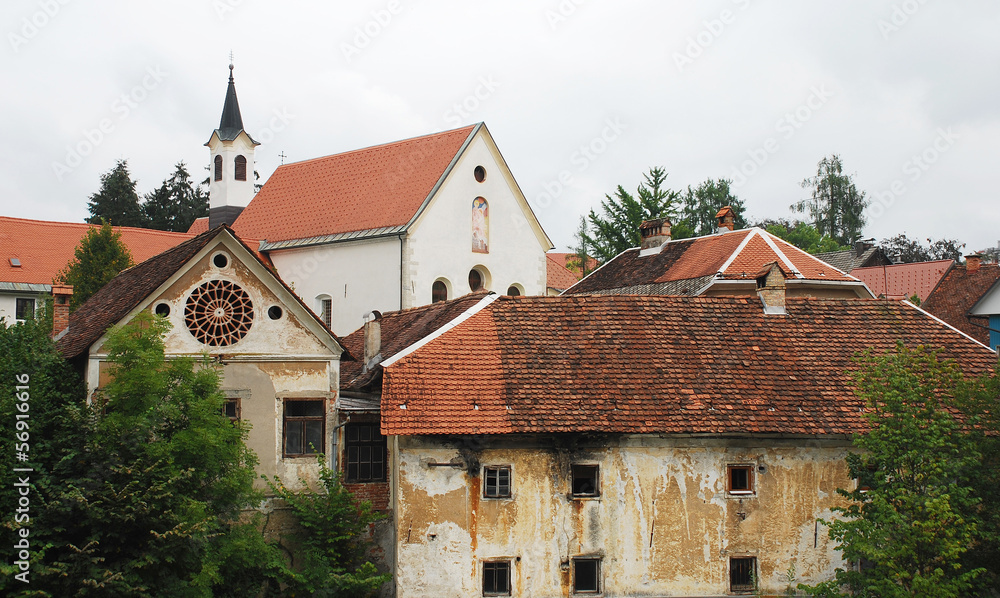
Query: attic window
point(241, 168)
point(480, 174)
point(162, 309)
point(274, 312)
point(15, 263)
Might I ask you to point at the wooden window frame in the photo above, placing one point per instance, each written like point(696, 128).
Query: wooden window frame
point(303, 450)
point(577, 472)
point(497, 472)
point(240, 167)
point(574, 587)
point(493, 567)
point(24, 308)
point(218, 168)
point(354, 450)
point(731, 487)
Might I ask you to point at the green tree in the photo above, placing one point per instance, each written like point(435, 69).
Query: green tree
point(99, 257)
point(836, 206)
point(914, 515)
point(802, 235)
point(116, 201)
point(702, 203)
point(581, 261)
point(617, 228)
point(904, 250)
point(177, 203)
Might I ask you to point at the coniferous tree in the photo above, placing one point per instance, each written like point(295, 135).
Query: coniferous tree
point(702, 203)
point(177, 203)
point(99, 257)
point(116, 201)
point(836, 206)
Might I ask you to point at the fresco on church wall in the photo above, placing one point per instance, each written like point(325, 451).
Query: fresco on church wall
point(480, 225)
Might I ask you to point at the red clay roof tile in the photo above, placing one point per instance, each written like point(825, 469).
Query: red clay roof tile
point(957, 292)
point(904, 280)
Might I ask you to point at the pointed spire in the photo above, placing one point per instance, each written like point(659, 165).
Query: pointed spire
point(232, 122)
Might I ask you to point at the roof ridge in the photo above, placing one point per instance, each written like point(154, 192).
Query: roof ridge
point(89, 225)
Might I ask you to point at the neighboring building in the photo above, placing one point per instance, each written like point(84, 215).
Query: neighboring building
point(562, 271)
point(626, 445)
point(280, 364)
point(33, 252)
point(399, 225)
point(863, 255)
point(903, 281)
point(725, 263)
point(967, 298)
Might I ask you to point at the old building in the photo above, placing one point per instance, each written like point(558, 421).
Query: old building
point(968, 298)
point(624, 445)
point(280, 364)
point(721, 264)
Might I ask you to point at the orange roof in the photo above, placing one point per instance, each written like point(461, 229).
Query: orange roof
point(652, 364)
point(904, 280)
point(367, 189)
point(200, 225)
point(558, 271)
point(44, 248)
point(730, 255)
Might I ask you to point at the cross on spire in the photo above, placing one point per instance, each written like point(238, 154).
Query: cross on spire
point(282, 156)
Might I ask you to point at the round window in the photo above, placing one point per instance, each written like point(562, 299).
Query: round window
point(274, 312)
point(162, 309)
point(480, 173)
point(218, 313)
point(220, 260)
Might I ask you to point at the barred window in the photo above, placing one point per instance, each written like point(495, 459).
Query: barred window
point(366, 451)
point(742, 571)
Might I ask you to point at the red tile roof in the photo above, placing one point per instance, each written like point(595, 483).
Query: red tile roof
point(653, 364)
point(44, 248)
point(199, 226)
point(730, 255)
point(366, 189)
point(904, 280)
point(957, 292)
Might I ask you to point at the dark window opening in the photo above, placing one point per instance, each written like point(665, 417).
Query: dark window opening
point(241, 168)
point(305, 426)
point(24, 309)
point(231, 409)
point(366, 450)
point(496, 578)
point(274, 312)
point(218, 168)
point(220, 260)
point(513, 291)
point(162, 309)
point(741, 479)
point(586, 576)
point(742, 571)
point(475, 280)
point(480, 174)
point(439, 292)
point(585, 482)
point(497, 482)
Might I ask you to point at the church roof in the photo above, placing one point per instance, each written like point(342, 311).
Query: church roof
point(362, 193)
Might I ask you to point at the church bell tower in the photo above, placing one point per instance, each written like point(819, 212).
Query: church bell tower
point(231, 179)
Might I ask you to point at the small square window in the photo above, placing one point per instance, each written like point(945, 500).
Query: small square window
point(231, 409)
point(585, 480)
point(24, 308)
point(740, 479)
point(305, 427)
point(496, 578)
point(496, 482)
point(586, 576)
point(742, 573)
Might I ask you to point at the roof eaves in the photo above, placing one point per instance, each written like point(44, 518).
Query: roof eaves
point(597, 269)
point(444, 175)
point(25, 287)
point(372, 233)
point(940, 321)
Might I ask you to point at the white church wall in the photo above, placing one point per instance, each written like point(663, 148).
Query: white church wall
point(229, 191)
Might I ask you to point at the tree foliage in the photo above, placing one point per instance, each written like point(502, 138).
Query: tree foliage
point(836, 206)
point(802, 235)
point(701, 204)
point(915, 524)
point(100, 256)
point(617, 227)
point(904, 250)
point(116, 201)
point(176, 204)
point(581, 262)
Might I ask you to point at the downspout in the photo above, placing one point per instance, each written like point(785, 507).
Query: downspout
point(401, 281)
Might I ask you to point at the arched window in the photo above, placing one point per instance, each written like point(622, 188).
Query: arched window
point(475, 280)
point(241, 168)
point(439, 291)
point(513, 291)
point(324, 305)
point(218, 168)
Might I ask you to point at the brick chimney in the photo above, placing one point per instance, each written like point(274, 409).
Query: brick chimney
point(60, 307)
point(654, 234)
point(972, 262)
point(771, 289)
point(373, 340)
point(726, 218)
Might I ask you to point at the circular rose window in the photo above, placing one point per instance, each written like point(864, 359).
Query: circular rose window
point(218, 313)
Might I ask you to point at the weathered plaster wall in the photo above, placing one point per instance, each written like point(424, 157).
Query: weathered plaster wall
point(664, 523)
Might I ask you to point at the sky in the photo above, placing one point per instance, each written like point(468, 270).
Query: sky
point(580, 96)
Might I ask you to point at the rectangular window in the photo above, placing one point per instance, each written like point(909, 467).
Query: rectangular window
point(496, 578)
point(24, 308)
point(496, 482)
point(740, 479)
point(366, 450)
point(585, 480)
point(327, 312)
point(231, 409)
point(305, 426)
point(742, 573)
point(586, 576)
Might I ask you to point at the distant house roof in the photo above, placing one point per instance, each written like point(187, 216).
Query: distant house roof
point(902, 281)
point(958, 292)
point(199, 226)
point(366, 192)
point(653, 364)
point(849, 260)
point(44, 248)
point(558, 273)
point(686, 266)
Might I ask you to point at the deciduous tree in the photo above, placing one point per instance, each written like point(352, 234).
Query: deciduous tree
point(835, 205)
point(99, 257)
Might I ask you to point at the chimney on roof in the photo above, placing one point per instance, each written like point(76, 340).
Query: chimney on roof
point(972, 262)
point(60, 307)
point(654, 234)
point(373, 340)
point(771, 289)
point(860, 247)
point(726, 218)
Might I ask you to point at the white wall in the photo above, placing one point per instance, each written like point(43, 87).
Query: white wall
point(358, 276)
point(990, 303)
point(440, 242)
point(229, 191)
point(8, 305)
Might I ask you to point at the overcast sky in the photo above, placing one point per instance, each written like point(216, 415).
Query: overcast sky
point(580, 96)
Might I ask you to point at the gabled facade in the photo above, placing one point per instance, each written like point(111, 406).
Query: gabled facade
point(280, 364)
point(968, 299)
point(398, 226)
